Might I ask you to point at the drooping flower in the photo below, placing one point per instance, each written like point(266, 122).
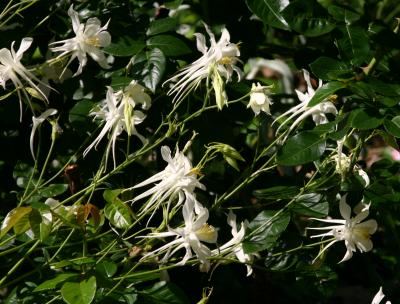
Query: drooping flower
point(189, 237)
point(302, 110)
point(235, 245)
point(177, 180)
point(12, 69)
point(119, 114)
point(379, 297)
point(355, 233)
point(218, 62)
point(90, 37)
point(36, 122)
point(274, 68)
point(259, 100)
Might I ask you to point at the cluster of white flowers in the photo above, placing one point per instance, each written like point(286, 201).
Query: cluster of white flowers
point(118, 113)
point(352, 230)
point(177, 183)
point(195, 231)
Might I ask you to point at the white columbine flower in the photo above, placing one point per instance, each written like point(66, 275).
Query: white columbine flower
point(177, 180)
point(302, 110)
point(12, 68)
point(36, 122)
point(351, 230)
point(235, 246)
point(218, 62)
point(195, 231)
point(259, 100)
point(276, 66)
point(119, 114)
point(379, 297)
point(88, 40)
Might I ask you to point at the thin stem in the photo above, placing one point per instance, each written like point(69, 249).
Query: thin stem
point(15, 267)
point(307, 246)
point(61, 246)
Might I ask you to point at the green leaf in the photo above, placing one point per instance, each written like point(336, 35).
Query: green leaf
point(302, 148)
point(154, 68)
point(278, 192)
point(163, 293)
point(169, 45)
point(324, 92)
point(355, 5)
point(55, 282)
point(13, 218)
point(393, 126)
point(308, 18)
point(119, 82)
point(53, 190)
point(125, 47)
point(264, 230)
point(310, 204)
point(366, 119)
point(22, 225)
point(41, 222)
point(269, 11)
point(111, 195)
point(106, 269)
point(79, 293)
point(161, 26)
point(354, 45)
point(79, 114)
point(330, 69)
point(116, 211)
point(344, 14)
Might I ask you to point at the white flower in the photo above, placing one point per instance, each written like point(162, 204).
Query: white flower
point(217, 61)
point(135, 93)
point(235, 246)
point(302, 110)
point(271, 68)
point(178, 179)
point(195, 231)
point(36, 122)
point(351, 230)
point(259, 100)
point(12, 68)
point(343, 163)
point(88, 40)
point(119, 114)
point(378, 297)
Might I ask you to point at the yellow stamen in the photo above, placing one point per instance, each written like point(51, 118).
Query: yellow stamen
point(226, 60)
point(93, 41)
point(195, 171)
point(207, 233)
point(333, 98)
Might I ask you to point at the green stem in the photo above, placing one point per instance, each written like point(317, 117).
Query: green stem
point(308, 246)
point(61, 246)
point(15, 267)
